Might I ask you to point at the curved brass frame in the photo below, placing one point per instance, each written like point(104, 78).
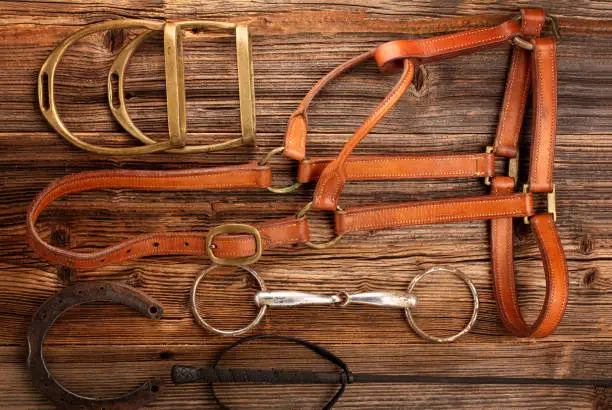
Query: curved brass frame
point(175, 87)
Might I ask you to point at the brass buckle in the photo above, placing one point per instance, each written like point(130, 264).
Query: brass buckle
point(513, 166)
point(551, 203)
point(304, 211)
point(233, 229)
point(175, 87)
point(279, 189)
point(527, 45)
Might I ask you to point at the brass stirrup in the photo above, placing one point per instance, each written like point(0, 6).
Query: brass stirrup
point(175, 87)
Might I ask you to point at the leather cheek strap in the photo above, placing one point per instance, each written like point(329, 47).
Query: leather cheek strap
point(274, 233)
point(376, 168)
point(389, 55)
point(331, 181)
point(555, 270)
point(377, 217)
point(544, 64)
point(297, 128)
point(517, 87)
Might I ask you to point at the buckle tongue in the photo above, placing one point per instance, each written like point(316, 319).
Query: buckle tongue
point(234, 229)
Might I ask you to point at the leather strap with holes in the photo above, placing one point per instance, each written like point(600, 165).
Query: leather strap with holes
point(275, 233)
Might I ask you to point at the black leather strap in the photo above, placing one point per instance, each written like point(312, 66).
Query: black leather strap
point(346, 375)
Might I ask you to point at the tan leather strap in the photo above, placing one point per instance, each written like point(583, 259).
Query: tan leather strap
point(331, 181)
point(555, 270)
point(544, 64)
point(389, 56)
point(275, 233)
point(297, 128)
point(374, 168)
point(377, 217)
point(517, 87)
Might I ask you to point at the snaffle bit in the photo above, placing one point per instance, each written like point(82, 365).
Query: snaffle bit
point(289, 298)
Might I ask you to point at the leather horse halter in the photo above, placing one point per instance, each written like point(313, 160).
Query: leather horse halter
point(52, 309)
point(175, 86)
point(533, 67)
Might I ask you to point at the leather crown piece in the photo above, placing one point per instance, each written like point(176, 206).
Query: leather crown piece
point(533, 67)
point(175, 86)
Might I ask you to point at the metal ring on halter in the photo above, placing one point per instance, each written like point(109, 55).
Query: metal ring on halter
point(279, 189)
point(206, 325)
point(304, 211)
point(527, 45)
point(466, 329)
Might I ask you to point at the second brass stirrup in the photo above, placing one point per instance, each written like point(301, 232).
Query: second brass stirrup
point(175, 86)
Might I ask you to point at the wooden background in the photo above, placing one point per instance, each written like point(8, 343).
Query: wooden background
point(103, 350)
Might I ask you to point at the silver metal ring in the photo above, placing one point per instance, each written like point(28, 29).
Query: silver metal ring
point(466, 329)
point(206, 325)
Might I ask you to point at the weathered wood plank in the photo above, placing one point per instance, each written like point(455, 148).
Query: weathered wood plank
point(458, 113)
point(462, 95)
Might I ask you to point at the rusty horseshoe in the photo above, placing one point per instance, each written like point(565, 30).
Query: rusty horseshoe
point(57, 305)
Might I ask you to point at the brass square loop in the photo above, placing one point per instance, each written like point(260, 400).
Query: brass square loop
point(234, 229)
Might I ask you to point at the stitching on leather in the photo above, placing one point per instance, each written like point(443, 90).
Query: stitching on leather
point(509, 96)
point(430, 41)
point(375, 117)
point(355, 225)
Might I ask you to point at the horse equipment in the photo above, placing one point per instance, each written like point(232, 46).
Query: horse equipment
point(57, 305)
point(215, 375)
point(284, 298)
point(533, 66)
point(175, 86)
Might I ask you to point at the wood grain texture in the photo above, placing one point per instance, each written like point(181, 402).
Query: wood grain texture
point(294, 45)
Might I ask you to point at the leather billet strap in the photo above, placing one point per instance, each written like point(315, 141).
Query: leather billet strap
point(175, 86)
point(375, 168)
point(555, 270)
point(517, 87)
point(223, 243)
point(390, 56)
point(331, 181)
point(376, 217)
point(297, 127)
point(544, 62)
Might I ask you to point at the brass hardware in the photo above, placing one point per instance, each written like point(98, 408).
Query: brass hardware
point(175, 86)
point(522, 43)
point(527, 45)
point(303, 212)
point(277, 189)
point(513, 166)
point(233, 229)
point(551, 203)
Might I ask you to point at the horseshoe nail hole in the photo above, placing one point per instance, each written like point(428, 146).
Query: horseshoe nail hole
point(186, 243)
point(115, 90)
point(102, 260)
point(128, 251)
point(153, 310)
point(590, 277)
point(45, 91)
point(156, 244)
point(155, 388)
point(101, 287)
point(165, 355)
